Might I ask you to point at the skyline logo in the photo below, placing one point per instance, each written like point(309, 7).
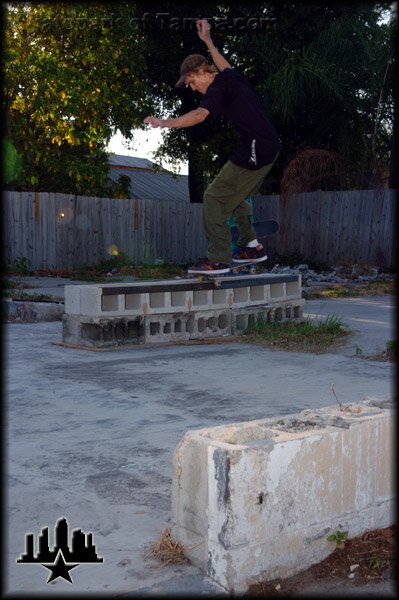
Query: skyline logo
point(61, 558)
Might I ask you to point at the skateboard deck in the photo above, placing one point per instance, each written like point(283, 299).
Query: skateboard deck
point(249, 268)
point(263, 229)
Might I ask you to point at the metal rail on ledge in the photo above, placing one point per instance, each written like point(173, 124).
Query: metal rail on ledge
point(196, 283)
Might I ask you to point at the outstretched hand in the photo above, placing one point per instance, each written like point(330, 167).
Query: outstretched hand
point(153, 121)
point(203, 29)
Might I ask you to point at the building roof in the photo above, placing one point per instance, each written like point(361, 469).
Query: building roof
point(146, 183)
point(129, 161)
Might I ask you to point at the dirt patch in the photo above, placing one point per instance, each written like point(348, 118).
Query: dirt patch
point(369, 558)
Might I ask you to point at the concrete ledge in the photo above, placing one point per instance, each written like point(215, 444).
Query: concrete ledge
point(16, 311)
point(171, 327)
point(171, 296)
point(176, 310)
point(257, 500)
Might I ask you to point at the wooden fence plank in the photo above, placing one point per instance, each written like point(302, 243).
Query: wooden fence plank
point(328, 227)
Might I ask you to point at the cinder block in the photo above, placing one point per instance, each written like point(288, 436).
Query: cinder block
point(258, 500)
point(90, 300)
point(175, 313)
point(277, 291)
point(181, 300)
point(72, 299)
point(258, 294)
point(101, 333)
point(187, 326)
point(134, 303)
point(293, 289)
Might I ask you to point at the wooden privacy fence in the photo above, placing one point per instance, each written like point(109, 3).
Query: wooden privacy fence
point(57, 231)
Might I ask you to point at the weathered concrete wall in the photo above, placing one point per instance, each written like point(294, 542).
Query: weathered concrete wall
point(257, 500)
point(15, 311)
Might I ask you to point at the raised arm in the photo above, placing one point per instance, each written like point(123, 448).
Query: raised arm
point(194, 117)
point(204, 33)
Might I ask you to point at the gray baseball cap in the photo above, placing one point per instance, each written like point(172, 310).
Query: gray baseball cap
point(192, 62)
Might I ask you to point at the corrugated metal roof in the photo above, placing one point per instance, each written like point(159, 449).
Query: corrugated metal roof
point(154, 186)
point(129, 161)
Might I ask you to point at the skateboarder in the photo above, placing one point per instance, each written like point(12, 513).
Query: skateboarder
point(226, 92)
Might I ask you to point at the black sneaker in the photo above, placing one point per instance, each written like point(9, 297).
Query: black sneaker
point(209, 267)
point(247, 254)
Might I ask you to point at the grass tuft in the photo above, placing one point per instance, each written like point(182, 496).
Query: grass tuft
point(305, 336)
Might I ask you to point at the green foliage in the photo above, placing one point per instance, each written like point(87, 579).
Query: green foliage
point(392, 349)
point(352, 290)
point(12, 163)
point(72, 76)
point(321, 74)
point(339, 538)
point(377, 563)
point(121, 265)
point(21, 266)
point(305, 336)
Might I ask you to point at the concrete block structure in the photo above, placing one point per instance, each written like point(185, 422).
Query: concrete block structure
point(176, 310)
point(257, 500)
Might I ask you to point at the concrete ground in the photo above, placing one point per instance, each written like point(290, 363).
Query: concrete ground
point(90, 436)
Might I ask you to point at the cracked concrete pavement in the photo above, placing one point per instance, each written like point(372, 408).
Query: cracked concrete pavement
point(90, 435)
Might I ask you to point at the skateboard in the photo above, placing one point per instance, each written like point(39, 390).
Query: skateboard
point(249, 268)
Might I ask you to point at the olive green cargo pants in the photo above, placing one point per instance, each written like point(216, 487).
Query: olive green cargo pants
point(225, 198)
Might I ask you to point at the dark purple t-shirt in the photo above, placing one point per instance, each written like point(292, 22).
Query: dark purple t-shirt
point(231, 95)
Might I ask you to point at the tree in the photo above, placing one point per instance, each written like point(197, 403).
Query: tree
point(72, 77)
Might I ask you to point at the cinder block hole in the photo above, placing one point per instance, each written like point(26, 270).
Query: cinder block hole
point(200, 297)
point(292, 288)
point(120, 331)
point(167, 328)
point(276, 290)
point(178, 326)
point(178, 298)
point(109, 302)
point(91, 331)
point(241, 322)
point(223, 321)
point(201, 325)
point(278, 314)
point(212, 324)
point(157, 299)
point(190, 324)
point(269, 316)
point(288, 311)
point(133, 329)
point(133, 301)
point(155, 328)
point(257, 293)
point(240, 294)
point(219, 296)
point(108, 331)
point(297, 312)
point(251, 320)
point(261, 318)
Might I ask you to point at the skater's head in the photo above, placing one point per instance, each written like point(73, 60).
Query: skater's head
point(197, 73)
